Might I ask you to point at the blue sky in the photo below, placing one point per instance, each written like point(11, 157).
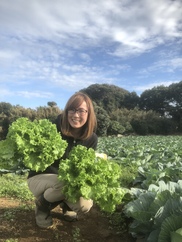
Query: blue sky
point(51, 49)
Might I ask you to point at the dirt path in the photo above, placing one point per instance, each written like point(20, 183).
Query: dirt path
point(19, 225)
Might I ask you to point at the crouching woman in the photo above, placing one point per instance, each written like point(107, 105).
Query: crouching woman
point(76, 124)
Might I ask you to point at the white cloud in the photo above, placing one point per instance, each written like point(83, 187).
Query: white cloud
point(5, 92)
point(39, 94)
point(168, 65)
point(85, 57)
point(175, 63)
point(79, 80)
point(86, 22)
point(162, 66)
point(154, 84)
point(25, 94)
point(72, 44)
point(7, 55)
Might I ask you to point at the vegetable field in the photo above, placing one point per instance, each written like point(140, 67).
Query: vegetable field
point(156, 157)
point(155, 204)
point(151, 176)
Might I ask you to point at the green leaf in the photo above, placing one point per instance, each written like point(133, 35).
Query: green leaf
point(37, 143)
point(91, 177)
point(7, 150)
point(170, 224)
point(179, 231)
point(176, 237)
point(140, 209)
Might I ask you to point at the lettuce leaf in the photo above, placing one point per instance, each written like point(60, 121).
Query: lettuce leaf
point(91, 177)
point(37, 144)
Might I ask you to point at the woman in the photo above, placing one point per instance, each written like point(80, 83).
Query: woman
point(76, 125)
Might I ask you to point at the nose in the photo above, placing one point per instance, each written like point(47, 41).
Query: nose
point(76, 113)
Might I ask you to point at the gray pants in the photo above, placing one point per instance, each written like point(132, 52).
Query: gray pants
point(51, 187)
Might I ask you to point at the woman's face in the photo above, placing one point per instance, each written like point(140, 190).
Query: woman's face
point(78, 117)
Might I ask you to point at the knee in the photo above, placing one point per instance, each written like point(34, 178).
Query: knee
point(85, 205)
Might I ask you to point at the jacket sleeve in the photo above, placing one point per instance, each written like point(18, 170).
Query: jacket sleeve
point(92, 142)
point(95, 141)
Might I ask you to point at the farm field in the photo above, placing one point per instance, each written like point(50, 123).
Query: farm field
point(152, 174)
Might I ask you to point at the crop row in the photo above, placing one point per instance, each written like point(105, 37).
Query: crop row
point(156, 192)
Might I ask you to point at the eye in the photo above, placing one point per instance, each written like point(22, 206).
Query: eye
point(71, 111)
point(82, 110)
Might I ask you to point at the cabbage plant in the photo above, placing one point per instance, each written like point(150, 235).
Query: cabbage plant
point(157, 212)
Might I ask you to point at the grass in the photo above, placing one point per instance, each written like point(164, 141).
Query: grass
point(15, 186)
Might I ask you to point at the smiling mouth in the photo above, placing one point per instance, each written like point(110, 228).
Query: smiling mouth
point(75, 120)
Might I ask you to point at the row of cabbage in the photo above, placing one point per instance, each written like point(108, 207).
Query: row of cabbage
point(156, 192)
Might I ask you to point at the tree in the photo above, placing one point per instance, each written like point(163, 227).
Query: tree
point(115, 128)
point(50, 113)
point(103, 121)
point(165, 100)
point(109, 97)
point(5, 108)
point(174, 109)
point(5, 116)
point(52, 104)
point(154, 99)
point(131, 100)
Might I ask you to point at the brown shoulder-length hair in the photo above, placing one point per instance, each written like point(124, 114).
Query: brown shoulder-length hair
point(73, 103)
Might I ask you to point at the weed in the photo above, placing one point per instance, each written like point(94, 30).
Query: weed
point(118, 222)
point(9, 215)
point(15, 186)
point(76, 235)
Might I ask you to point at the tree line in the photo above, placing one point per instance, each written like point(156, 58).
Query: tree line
point(157, 111)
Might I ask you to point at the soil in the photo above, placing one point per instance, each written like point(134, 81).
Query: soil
point(17, 224)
